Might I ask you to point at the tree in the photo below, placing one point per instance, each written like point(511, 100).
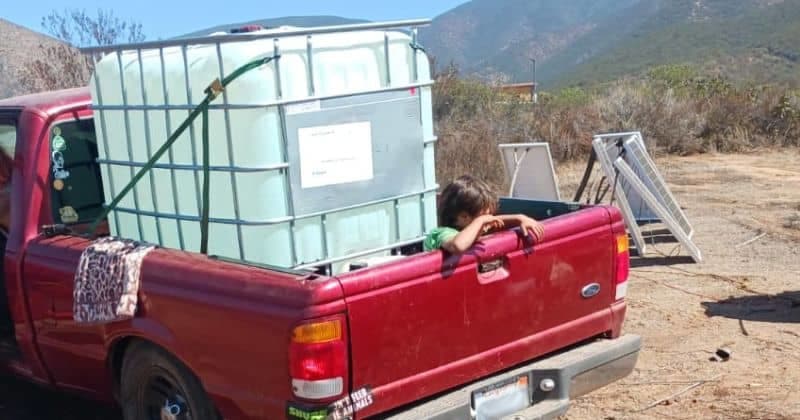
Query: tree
point(60, 65)
point(77, 28)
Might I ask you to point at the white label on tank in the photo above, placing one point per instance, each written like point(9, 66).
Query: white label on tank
point(302, 107)
point(335, 154)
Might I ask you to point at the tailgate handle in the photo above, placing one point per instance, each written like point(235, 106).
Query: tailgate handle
point(487, 267)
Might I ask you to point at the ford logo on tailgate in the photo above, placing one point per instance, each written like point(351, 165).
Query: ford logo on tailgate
point(590, 290)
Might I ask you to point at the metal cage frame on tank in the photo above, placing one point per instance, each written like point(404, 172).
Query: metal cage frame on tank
point(423, 196)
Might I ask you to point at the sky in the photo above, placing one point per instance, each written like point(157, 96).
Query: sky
point(168, 18)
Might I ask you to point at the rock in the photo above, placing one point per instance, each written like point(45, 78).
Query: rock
point(723, 353)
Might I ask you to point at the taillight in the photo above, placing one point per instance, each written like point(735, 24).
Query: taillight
point(623, 266)
point(318, 359)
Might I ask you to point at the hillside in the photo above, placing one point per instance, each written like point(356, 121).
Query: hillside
point(18, 45)
point(758, 41)
point(574, 42)
point(589, 41)
point(496, 38)
point(745, 40)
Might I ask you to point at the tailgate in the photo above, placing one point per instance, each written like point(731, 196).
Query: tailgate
point(422, 325)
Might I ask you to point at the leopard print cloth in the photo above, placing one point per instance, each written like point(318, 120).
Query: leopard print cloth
point(107, 280)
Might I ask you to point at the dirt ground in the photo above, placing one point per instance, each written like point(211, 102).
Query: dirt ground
point(745, 297)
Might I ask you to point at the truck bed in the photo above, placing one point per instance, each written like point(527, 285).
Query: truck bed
point(432, 322)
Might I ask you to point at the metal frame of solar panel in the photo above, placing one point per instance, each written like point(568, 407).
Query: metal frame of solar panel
point(662, 211)
point(642, 164)
point(601, 145)
point(641, 212)
point(536, 158)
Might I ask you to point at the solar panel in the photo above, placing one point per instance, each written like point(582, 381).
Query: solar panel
point(601, 149)
point(530, 172)
point(641, 212)
point(645, 169)
point(662, 211)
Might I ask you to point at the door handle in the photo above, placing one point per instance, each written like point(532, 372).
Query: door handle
point(487, 267)
point(492, 271)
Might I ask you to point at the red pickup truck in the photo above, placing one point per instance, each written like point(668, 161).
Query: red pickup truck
point(508, 328)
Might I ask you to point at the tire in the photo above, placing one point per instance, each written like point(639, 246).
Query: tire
point(150, 374)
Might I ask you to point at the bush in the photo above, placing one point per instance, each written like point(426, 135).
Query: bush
point(678, 111)
point(672, 76)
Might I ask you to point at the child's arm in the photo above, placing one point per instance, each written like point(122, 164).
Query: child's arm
point(527, 224)
point(462, 241)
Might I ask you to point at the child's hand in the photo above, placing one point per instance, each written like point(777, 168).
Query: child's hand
point(491, 223)
point(532, 227)
point(464, 239)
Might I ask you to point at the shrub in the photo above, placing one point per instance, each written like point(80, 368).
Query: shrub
point(678, 111)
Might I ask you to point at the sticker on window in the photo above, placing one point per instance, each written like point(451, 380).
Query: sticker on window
point(68, 214)
point(59, 144)
point(58, 166)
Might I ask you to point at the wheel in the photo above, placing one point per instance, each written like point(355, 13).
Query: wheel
point(156, 386)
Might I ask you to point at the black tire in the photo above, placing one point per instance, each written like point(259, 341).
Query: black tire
point(150, 374)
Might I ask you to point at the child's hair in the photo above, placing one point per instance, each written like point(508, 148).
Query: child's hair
point(467, 194)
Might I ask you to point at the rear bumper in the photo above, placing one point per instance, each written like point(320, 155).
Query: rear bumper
point(575, 372)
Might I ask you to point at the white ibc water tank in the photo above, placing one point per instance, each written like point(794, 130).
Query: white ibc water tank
point(321, 169)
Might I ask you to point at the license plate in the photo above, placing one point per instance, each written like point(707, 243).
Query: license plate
point(501, 399)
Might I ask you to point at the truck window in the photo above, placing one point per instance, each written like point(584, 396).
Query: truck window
point(75, 183)
point(8, 138)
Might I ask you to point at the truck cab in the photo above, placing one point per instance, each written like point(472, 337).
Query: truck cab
point(24, 122)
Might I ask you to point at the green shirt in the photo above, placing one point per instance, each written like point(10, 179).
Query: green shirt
point(437, 237)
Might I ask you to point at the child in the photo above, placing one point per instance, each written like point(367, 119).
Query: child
point(466, 211)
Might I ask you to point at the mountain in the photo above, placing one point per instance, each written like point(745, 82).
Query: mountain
point(18, 45)
point(573, 42)
point(590, 41)
point(585, 41)
point(753, 40)
point(496, 38)
point(306, 21)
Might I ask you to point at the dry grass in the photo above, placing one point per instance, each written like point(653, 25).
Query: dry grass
point(680, 117)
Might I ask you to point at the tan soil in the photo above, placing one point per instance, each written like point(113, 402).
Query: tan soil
point(742, 297)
